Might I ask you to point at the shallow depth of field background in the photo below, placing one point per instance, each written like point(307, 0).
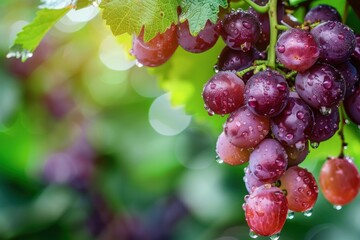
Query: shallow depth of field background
point(92, 148)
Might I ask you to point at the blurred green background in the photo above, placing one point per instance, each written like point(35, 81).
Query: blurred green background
point(93, 147)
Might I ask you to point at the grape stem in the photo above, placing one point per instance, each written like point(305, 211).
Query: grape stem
point(257, 7)
point(281, 27)
point(341, 132)
point(273, 33)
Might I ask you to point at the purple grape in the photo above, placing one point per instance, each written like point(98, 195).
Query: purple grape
point(297, 49)
point(205, 40)
point(351, 76)
point(293, 124)
point(269, 160)
point(322, 13)
point(325, 126)
point(245, 129)
point(266, 93)
point(321, 86)
point(352, 106)
point(235, 60)
point(295, 155)
point(252, 182)
point(240, 30)
point(336, 41)
point(223, 93)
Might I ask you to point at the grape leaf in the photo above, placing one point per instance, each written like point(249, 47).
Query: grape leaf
point(199, 12)
point(31, 35)
point(296, 2)
point(129, 16)
point(57, 4)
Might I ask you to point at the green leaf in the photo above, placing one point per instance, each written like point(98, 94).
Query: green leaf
point(199, 12)
point(129, 16)
point(57, 4)
point(32, 34)
point(296, 2)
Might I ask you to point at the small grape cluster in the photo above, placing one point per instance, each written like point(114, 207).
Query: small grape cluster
point(283, 92)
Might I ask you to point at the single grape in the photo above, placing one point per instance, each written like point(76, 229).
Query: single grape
point(266, 93)
point(158, 50)
point(223, 93)
point(300, 187)
point(252, 182)
point(322, 13)
point(245, 129)
point(295, 155)
point(293, 124)
point(229, 153)
point(240, 30)
point(205, 40)
point(297, 49)
point(352, 106)
point(266, 210)
point(269, 160)
point(351, 76)
point(339, 180)
point(336, 42)
point(234, 60)
point(325, 126)
point(321, 86)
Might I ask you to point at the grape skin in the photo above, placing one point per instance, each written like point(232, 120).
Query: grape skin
point(266, 210)
point(325, 126)
point(252, 182)
point(322, 13)
point(205, 40)
point(301, 188)
point(351, 76)
point(266, 93)
point(321, 86)
point(295, 155)
point(339, 180)
point(269, 160)
point(240, 30)
point(158, 50)
point(223, 93)
point(245, 129)
point(297, 49)
point(336, 42)
point(229, 153)
point(230, 59)
point(294, 123)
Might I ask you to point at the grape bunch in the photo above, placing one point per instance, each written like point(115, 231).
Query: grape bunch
point(284, 85)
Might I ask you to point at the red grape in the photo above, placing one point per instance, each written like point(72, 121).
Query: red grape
point(229, 153)
point(269, 160)
point(245, 129)
point(301, 189)
point(266, 210)
point(339, 180)
point(325, 126)
point(322, 13)
point(297, 49)
point(205, 40)
point(252, 181)
point(158, 50)
point(223, 93)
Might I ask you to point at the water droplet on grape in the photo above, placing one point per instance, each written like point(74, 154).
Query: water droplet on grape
point(246, 24)
point(327, 84)
point(308, 213)
point(325, 111)
point(337, 207)
point(252, 234)
point(219, 160)
point(314, 145)
point(138, 64)
point(252, 102)
point(275, 236)
point(290, 215)
point(281, 49)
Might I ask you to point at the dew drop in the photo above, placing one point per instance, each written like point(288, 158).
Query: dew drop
point(325, 111)
point(246, 24)
point(22, 54)
point(275, 236)
point(138, 64)
point(252, 102)
point(219, 160)
point(212, 85)
point(281, 87)
point(252, 234)
point(290, 215)
point(341, 37)
point(308, 213)
point(327, 84)
point(281, 49)
point(337, 207)
point(314, 145)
